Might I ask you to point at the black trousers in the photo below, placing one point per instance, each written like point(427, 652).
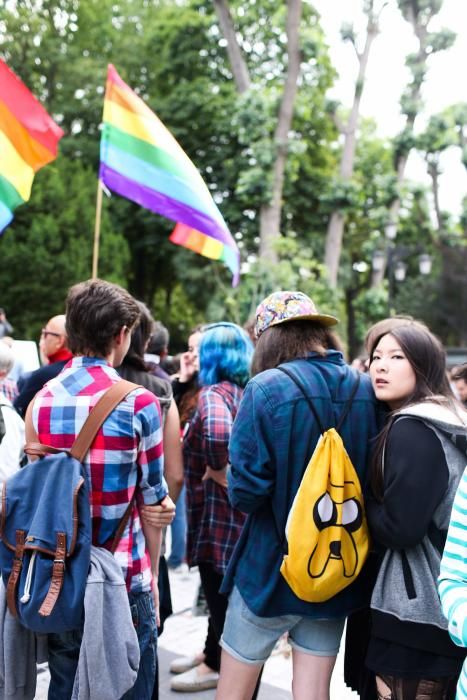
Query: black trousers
point(217, 603)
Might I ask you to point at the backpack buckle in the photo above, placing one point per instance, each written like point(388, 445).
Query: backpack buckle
point(58, 571)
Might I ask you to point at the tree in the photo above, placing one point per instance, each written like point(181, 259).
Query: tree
point(49, 246)
point(335, 230)
point(270, 212)
point(420, 14)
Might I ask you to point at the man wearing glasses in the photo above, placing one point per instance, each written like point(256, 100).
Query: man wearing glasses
point(54, 354)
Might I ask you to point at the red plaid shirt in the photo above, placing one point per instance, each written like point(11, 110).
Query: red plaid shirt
point(126, 453)
point(213, 526)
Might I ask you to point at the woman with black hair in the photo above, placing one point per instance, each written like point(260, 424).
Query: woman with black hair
point(417, 465)
point(134, 369)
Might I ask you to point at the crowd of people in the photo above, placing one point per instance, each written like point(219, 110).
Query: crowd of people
point(214, 445)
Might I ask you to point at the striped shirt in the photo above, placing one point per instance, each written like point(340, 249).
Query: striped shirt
point(126, 453)
point(453, 578)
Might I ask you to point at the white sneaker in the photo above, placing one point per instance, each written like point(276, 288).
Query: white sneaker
point(180, 569)
point(184, 663)
point(191, 682)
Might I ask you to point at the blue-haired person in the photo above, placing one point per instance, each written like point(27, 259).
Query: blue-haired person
point(213, 526)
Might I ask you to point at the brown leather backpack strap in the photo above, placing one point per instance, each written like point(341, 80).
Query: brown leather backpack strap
point(13, 579)
point(58, 573)
point(83, 441)
point(97, 416)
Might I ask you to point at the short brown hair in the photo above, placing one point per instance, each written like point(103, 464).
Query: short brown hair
point(96, 311)
point(290, 341)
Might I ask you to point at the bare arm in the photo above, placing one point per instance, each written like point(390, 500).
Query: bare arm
point(153, 536)
point(173, 459)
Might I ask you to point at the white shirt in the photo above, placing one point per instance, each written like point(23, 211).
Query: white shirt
point(11, 446)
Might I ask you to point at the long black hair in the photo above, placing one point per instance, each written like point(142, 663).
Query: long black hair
point(139, 339)
point(427, 358)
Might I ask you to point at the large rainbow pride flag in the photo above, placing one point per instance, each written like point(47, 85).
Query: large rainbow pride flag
point(142, 161)
point(28, 140)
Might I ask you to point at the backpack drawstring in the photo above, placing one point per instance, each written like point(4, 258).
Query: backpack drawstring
point(27, 586)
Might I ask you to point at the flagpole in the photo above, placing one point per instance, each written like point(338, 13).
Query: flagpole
point(97, 230)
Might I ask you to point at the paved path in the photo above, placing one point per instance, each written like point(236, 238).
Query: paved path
point(184, 634)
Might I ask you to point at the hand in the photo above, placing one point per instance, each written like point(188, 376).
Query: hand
point(187, 367)
point(161, 515)
point(217, 475)
point(155, 593)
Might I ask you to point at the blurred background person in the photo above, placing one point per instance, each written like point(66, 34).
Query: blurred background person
point(11, 425)
point(5, 327)
point(459, 379)
point(158, 350)
point(186, 389)
point(54, 351)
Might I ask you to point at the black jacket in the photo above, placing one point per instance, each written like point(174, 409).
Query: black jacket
point(34, 383)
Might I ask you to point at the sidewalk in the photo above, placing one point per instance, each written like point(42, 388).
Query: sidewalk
point(184, 635)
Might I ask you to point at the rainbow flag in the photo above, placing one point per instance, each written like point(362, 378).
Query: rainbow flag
point(141, 160)
point(28, 140)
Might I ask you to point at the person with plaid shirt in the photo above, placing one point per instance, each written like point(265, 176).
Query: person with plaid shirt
point(213, 525)
point(126, 456)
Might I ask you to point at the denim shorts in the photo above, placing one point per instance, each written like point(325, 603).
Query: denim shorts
point(251, 639)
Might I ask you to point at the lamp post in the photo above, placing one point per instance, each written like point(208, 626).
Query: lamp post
point(393, 258)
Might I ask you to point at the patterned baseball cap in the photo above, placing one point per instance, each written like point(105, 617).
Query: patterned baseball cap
point(280, 307)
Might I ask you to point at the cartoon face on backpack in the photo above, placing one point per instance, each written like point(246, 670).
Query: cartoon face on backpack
point(337, 514)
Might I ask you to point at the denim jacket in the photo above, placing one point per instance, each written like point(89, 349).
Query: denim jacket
point(273, 438)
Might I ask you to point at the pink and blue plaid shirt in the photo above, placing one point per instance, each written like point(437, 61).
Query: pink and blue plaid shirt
point(8, 389)
point(126, 453)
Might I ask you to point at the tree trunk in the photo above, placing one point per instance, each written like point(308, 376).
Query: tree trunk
point(270, 213)
point(433, 172)
point(421, 34)
point(237, 62)
point(335, 231)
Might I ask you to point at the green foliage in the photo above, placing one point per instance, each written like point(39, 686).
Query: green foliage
point(48, 247)
point(173, 54)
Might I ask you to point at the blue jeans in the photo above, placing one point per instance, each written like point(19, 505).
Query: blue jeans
point(251, 639)
point(144, 620)
point(64, 653)
point(178, 532)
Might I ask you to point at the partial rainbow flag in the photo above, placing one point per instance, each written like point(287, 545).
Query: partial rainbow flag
point(141, 160)
point(28, 140)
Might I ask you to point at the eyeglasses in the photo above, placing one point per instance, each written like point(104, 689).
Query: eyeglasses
point(45, 333)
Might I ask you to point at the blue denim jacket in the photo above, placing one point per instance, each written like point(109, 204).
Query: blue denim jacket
point(273, 438)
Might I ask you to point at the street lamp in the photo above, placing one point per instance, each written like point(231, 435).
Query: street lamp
point(400, 268)
point(378, 260)
point(390, 230)
point(396, 267)
point(424, 264)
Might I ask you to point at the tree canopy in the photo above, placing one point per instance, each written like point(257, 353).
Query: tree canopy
point(176, 56)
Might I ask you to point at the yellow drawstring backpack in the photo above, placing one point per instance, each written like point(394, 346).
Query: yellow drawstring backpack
point(326, 531)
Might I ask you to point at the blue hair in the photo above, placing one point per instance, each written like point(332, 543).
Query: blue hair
point(225, 354)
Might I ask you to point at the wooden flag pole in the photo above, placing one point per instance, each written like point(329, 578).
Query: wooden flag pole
point(97, 230)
